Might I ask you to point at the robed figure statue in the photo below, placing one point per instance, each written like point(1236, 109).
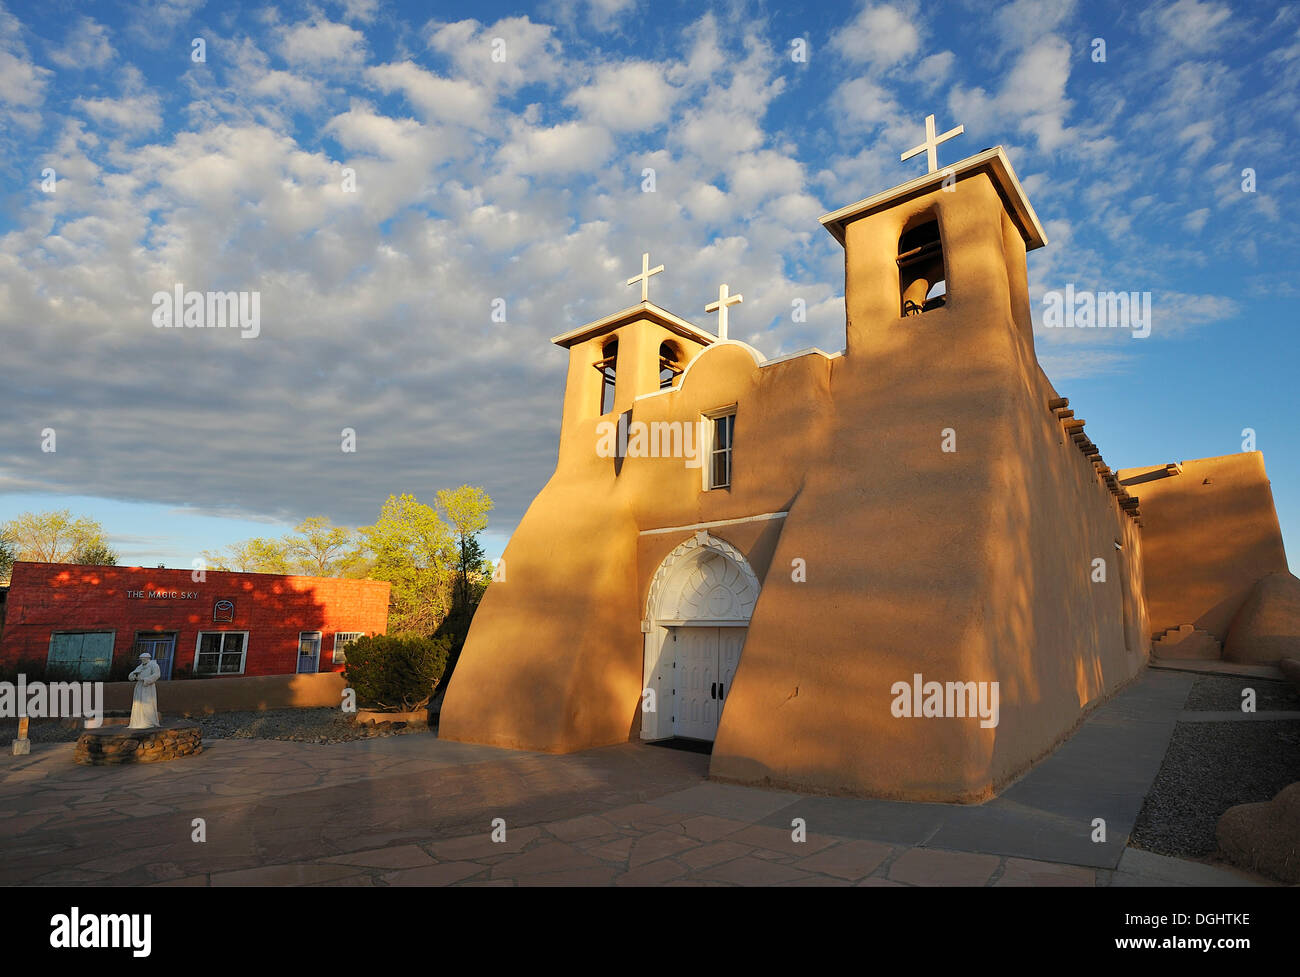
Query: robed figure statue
point(144, 703)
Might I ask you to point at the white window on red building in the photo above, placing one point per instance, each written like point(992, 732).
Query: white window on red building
point(220, 653)
point(341, 641)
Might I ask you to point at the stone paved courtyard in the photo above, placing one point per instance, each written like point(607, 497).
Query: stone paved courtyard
point(414, 810)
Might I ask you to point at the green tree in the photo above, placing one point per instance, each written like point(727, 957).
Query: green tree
point(319, 549)
point(52, 537)
point(96, 555)
point(411, 547)
point(6, 560)
point(467, 510)
point(257, 555)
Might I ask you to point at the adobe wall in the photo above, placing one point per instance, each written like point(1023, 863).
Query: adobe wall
point(964, 566)
point(253, 693)
point(555, 657)
point(1208, 535)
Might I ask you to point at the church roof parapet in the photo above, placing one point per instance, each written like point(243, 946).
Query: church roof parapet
point(993, 161)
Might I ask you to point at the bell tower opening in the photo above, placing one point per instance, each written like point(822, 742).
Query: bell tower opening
point(922, 278)
point(670, 364)
point(607, 366)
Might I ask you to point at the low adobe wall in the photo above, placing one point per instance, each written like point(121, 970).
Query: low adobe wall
point(249, 693)
point(1210, 533)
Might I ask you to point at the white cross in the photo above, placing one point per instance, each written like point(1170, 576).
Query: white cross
point(644, 277)
point(931, 143)
point(720, 307)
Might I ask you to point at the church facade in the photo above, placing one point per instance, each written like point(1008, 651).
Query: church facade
point(901, 570)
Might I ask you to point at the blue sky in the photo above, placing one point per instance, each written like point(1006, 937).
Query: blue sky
point(521, 179)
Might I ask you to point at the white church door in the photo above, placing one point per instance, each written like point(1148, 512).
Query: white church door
point(706, 663)
point(697, 615)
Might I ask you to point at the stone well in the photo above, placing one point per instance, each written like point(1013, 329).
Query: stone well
point(118, 744)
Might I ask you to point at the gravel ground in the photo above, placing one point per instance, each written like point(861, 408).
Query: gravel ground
point(1219, 693)
point(297, 725)
point(1209, 768)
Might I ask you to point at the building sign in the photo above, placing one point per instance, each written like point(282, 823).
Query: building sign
point(162, 595)
point(223, 610)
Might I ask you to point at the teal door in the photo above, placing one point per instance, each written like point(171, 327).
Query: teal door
point(83, 656)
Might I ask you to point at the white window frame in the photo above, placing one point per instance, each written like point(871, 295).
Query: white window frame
point(710, 425)
point(198, 643)
point(340, 653)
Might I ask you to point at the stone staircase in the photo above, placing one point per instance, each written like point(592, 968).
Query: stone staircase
point(1187, 642)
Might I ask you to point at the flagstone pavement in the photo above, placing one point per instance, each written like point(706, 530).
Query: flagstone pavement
point(416, 810)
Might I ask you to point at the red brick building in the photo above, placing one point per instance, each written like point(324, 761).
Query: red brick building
point(81, 619)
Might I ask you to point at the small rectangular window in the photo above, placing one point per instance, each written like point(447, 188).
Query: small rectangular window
point(341, 641)
point(722, 435)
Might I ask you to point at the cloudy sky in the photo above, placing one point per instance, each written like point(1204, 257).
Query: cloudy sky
point(519, 177)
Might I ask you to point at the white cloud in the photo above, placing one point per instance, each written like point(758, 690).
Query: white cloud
point(437, 98)
point(528, 53)
point(1192, 25)
point(86, 46)
point(22, 83)
point(1195, 221)
point(881, 35)
point(569, 147)
point(132, 114)
point(934, 69)
point(632, 96)
point(322, 43)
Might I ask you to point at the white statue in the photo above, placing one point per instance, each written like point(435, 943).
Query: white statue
point(144, 703)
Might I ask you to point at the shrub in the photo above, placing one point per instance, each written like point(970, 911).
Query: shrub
point(396, 672)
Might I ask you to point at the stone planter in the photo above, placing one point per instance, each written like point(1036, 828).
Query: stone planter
point(118, 744)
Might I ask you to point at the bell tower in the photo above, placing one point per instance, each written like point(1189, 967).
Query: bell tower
point(615, 360)
point(945, 251)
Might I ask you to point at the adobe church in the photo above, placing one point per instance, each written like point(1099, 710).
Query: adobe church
point(901, 570)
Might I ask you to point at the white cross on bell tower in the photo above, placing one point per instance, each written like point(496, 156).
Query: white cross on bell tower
point(644, 277)
point(720, 307)
point(931, 143)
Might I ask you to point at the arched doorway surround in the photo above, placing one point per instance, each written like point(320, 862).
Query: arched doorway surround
point(697, 615)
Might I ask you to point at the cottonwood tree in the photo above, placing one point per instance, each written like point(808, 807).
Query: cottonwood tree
point(53, 537)
point(257, 555)
point(412, 548)
point(319, 549)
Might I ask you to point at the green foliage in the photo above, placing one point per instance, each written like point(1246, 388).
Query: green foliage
point(411, 547)
point(96, 554)
point(6, 560)
point(52, 537)
point(467, 510)
point(395, 672)
point(318, 549)
point(431, 557)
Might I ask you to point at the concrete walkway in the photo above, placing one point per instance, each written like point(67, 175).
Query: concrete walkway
point(416, 810)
